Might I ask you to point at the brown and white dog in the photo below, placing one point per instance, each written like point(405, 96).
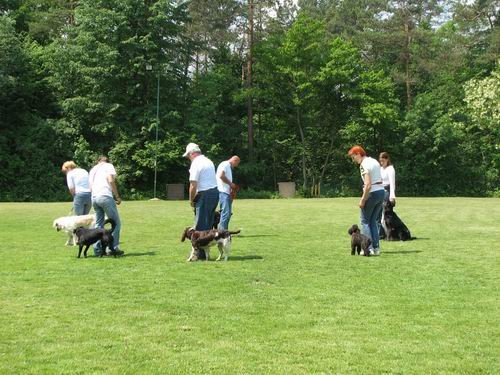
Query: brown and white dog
point(205, 239)
point(69, 223)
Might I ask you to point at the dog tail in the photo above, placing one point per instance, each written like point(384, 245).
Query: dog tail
point(113, 224)
point(234, 232)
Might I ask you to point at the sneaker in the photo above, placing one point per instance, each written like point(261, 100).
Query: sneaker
point(376, 251)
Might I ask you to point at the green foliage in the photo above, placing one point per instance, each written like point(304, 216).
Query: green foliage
point(216, 111)
point(81, 78)
point(29, 148)
point(483, 103)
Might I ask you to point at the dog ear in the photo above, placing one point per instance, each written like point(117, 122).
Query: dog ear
point(353, 229)
point(350, 231)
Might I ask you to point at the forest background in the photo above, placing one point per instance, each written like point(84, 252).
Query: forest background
point(289, 86)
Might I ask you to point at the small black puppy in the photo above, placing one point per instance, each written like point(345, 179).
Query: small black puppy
point(87, 237)
point(216, 219)
point(394, 227)
point(359, 241)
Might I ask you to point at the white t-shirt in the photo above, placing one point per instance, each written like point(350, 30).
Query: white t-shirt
point(225, 167)
point(78, 179)
point(98, 179)
point(389, 179)
point(372, 167)
point(202, 171)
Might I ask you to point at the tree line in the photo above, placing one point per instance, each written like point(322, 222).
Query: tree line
point(288, 86)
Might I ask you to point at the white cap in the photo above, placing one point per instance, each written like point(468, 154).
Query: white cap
point(191, 147)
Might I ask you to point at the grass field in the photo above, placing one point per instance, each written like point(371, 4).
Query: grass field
point(290, 300)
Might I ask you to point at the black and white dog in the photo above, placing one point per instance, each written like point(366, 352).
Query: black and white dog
point(395, 229)
point(87, 237)
point(205, 239)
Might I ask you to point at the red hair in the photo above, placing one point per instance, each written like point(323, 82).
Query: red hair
point(357, 150)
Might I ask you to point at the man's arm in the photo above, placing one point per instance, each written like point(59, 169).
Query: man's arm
point(222, 176)
point(112, 183)
point(193, 189)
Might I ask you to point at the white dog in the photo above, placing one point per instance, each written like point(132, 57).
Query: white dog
point(70, 223)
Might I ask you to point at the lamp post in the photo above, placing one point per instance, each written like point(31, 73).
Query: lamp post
point(149, 68)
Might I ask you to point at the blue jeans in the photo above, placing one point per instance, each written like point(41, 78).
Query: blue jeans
point(205, 208)
point(225, 210)
point(82, 203)
point(370, 216)
point(104, 205)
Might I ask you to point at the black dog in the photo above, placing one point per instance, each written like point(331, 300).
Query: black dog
point(395, 229)
point(87, 237)
point(359, 241)
point(216, 219)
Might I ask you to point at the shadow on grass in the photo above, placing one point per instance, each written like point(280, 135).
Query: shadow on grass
point(256, 235)
point(244, 257)
point(403, 252)
point(412, 239)
point(149, 253)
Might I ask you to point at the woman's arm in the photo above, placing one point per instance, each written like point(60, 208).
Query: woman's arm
point(392, 184)
point(366, 190)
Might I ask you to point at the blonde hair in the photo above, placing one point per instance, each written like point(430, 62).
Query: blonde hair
point(68, 165)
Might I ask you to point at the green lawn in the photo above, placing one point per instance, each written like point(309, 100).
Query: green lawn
point(290, 300)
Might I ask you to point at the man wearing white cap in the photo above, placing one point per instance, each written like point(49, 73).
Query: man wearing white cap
point(203, 193)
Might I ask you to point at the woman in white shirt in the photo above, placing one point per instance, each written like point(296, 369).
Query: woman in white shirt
point(78, 186)
point(372, 197)
point(388, 174)
point(388, 177)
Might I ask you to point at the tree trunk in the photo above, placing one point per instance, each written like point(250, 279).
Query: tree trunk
point(325, 164)
point(249, 81)
point(303, 140)
point(407, 57)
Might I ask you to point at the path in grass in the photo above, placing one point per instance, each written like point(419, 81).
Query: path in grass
point(290, 300)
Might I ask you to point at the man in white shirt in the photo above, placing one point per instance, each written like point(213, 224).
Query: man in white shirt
point(203, 193)
point(77, 180)
point(224, 185)
point(105, 198)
